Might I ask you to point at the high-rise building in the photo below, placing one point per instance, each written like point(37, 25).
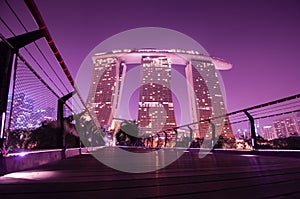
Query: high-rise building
point(298, 122)
point(286, 127)
point(25, 115)
point(227, 126)
point(155, 105)
point(156, 108)
point(105, 89)
point(206, 99)
point(23, 108)
point(268, 133)
point(280, 129)
point(291, 126)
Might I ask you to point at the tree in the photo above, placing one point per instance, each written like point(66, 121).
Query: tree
point(128, 134)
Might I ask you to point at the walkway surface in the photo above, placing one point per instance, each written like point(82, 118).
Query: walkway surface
point(217, 175)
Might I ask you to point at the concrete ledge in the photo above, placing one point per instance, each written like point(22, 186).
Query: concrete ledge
point(27, 160)
point(263, 152)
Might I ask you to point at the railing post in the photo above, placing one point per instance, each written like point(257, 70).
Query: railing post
point(152, 141)
point(213, 134)
point(3, 169)
point(158, 137)
point(252, 129)
point(176, 136)
point(191, 136)
point(60, 120)
point(166, 136)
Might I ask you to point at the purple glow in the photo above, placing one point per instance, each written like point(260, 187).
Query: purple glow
point(260, 38)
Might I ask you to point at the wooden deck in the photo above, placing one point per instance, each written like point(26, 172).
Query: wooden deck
point(217, 175)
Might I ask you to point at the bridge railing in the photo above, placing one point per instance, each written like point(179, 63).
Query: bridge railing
point(39, 113)
point(31, 119)
point(277, 126)
point(274, 125)
point(32, 112)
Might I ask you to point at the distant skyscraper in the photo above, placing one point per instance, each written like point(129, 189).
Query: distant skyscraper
point(291, 126)
point(105, 89)
point(268, 133)
point(286, 127)
point(156, 109)
point(227, 126)
point(298, 122)
point(22, 112)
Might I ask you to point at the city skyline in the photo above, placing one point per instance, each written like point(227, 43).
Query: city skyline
point(259, 30)
point(240, 32)
point(27, 114)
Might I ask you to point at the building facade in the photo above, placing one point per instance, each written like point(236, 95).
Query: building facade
point(286, 127)
point(268, 133)
point(156, 108)
point(206, 99)
point(104, 90)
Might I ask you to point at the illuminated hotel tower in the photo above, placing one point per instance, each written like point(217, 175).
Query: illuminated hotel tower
point(205, 97)
point(106, 88)
point(156, 109)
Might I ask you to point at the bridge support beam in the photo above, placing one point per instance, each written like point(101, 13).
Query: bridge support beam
point(252, 129)
point(60, 119)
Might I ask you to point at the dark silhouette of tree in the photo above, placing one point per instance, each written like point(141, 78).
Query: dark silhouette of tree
point(121, 138)
point(262, 143)
point(293, 143)
point(197, 143)
point(90, 134)
point(225, 141)
point(128, 134)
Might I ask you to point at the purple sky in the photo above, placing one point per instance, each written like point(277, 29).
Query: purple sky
point(260, 38)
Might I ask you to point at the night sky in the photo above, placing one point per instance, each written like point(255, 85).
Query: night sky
point(259, 37)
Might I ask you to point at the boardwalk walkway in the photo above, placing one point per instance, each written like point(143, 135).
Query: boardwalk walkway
point(217, 175)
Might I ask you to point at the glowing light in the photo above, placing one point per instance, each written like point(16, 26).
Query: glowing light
point(2, 125)
point(267, 127)
point(35, 175)
point(22, 154)
point(248, 155)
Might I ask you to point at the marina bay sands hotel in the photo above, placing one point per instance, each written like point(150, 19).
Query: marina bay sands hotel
point(156, 105)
